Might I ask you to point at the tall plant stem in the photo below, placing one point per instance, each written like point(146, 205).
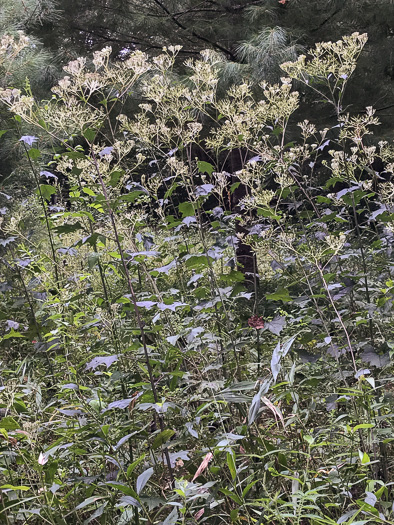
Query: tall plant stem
point(213, 281)
point(43, 205)
point(360, 244)
point(349, 344)
point(364, 264)
point(136, 309)
point(33, 314)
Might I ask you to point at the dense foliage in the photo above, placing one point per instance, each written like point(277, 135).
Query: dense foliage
point(196, 309)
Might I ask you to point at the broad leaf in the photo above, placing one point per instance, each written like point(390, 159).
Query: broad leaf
point(280, 352)
point(143, 479)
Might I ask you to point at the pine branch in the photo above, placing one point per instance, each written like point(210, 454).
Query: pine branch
point(128, 41)
point(326, 20)
point(227, 52)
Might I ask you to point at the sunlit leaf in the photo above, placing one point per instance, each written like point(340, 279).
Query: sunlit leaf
point(280, 352)
point(143, 479)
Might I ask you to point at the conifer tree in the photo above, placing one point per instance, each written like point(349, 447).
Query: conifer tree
point(24, 62)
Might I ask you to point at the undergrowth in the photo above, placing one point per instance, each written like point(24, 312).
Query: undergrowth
point(196, 308)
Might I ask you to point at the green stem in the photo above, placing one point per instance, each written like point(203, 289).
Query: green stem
point(43, 205)
point(136, 309)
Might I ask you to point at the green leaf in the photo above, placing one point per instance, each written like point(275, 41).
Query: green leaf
point(232, 277)
point(93, 259)
point(20, 406)
point(363, 425)
point(50, 471)
point(248, 487)
point(34, 153)
point(88, 191)
point(132, 196)
point(366, 507)
point(96, 514)
point(171, 190)
point(115, 178)
point(281, 294)
point(83, 213)
point(205, 167)
point(265, 212)
point(12, 334)
point(2, 131)
point(74, 154)
point(231, 464)
point(162, 438)
point(187, 209)
point(14, 487)
point(134, 465)
point(143, 479)
point(309, 439)
point(93, 239)
point(277, 131)
point(89, 501)
point(234, 514)
point(125, 489)
point(197, 262)
point(364, 458)
point(323, 200)
point(231, 495)
point(234, 186)
point(89, 134)
point(46, 191)
point(9, 423)
point(68, 228)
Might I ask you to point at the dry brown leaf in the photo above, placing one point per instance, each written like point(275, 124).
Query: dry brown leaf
point(274, 409)
point(203, 465)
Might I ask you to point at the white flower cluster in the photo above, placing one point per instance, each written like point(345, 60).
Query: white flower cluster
point(101, 58)
point(335, 242)
point(10, 47)
point(307, 129)
point(332, 62)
